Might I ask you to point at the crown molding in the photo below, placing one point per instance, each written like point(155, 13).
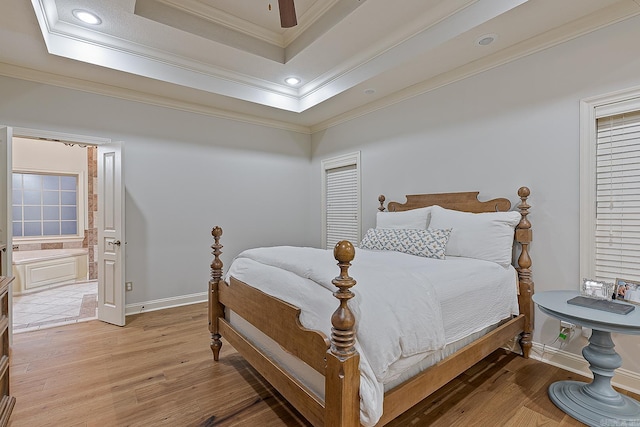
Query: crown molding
point(227, 20)
point(66, 39)
point(280, 39)
point(66, 82)
point(609, 16)
point(63, 37)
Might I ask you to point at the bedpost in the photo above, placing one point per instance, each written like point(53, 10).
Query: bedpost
point(381, 199)
point(215, 308)
point(342, 377)
point(524, 237)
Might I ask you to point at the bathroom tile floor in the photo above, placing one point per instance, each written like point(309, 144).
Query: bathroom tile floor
point(55, 306)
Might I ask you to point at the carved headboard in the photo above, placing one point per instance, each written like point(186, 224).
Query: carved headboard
point(466, 202)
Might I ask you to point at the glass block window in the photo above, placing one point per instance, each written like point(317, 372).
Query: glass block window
point(45, 205)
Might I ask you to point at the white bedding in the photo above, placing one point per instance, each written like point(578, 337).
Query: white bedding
point(407, 307)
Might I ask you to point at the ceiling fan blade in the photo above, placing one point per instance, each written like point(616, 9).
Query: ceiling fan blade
point(287, 13)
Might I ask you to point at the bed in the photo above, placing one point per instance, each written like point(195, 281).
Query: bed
point(313, 356)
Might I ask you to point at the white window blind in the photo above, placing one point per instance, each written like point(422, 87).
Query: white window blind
point(617, 227)
point(342, 202)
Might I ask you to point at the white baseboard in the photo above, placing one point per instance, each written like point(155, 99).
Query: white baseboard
point(161, 304)
point(623, 378)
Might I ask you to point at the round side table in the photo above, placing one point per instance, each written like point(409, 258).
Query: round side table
point(596, 403)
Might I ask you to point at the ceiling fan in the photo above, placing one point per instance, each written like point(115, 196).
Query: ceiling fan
point(287, 13)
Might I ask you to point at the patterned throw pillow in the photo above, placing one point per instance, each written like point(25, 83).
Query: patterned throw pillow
point(430, 243)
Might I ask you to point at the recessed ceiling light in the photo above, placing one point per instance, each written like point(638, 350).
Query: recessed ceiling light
point(486, 39)
point(292, 81)
point(87, 17)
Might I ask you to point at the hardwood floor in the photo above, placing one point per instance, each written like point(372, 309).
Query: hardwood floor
point(158, 370)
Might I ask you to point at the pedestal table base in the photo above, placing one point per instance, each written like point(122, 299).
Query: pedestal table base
point(571, 397)
point(597, 403)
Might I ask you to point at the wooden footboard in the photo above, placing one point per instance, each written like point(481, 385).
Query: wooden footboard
point(296, 393)
point(335, 357)
point(422, 386)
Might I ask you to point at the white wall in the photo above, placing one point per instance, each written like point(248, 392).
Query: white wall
point(184, 173)
point(29, 154)
point(508, 127)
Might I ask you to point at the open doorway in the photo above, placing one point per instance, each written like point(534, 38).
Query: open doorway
point(109, 216)
point(54, 233)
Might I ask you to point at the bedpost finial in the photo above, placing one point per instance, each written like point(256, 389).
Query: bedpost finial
point(344, 252)
point(343, 321)
point(523, 207)
point(216, 265)
point(381, 199)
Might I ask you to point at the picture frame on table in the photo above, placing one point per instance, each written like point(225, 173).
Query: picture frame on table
point(597, 289)
point(628, 291)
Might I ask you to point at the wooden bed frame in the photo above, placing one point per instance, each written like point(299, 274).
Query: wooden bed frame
point(335, 357)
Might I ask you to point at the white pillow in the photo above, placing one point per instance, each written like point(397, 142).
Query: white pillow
point(411, 219)
point(487, 236)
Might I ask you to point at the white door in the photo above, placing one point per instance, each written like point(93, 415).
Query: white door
point(6, 229)
point(111, 237)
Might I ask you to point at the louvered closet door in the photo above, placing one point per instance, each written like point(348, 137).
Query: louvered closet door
point(342, 206)
point(618, 197)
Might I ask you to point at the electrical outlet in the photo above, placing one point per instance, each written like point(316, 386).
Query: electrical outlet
point(567, 330)
point(568, 325)
point(564, 333)
point(128, 286)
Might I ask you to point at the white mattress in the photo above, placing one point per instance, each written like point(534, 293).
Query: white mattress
point(472, 296)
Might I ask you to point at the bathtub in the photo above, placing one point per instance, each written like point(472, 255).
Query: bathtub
point(46, 267)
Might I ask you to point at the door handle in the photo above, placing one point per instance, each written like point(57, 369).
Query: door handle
point(115, 242)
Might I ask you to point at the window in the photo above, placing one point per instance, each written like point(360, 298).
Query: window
point(610, 188)
point(341, 199)
point(45, 205)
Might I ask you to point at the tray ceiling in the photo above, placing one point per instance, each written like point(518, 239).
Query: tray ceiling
point(233, 55)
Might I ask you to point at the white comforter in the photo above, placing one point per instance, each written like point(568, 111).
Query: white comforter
point(398, 305)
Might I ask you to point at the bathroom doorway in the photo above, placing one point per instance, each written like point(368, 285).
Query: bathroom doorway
point(73, 257)
point(54, 233)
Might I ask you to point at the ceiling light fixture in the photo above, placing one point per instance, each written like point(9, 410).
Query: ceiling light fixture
point(292, 81)
point(486, 39)
point(87, 17)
